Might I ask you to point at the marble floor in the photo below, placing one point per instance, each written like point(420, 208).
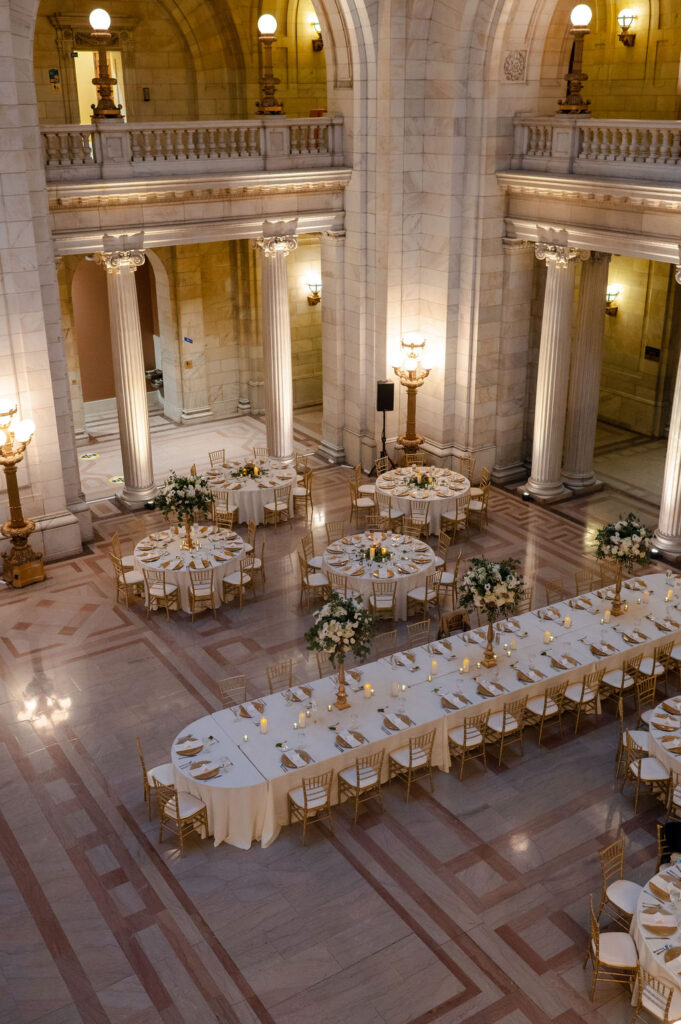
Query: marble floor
point(466, 905)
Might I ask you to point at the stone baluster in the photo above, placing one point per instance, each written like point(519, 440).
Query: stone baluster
point(545, 482)
point(128, 363)
point(277, 242)
point(585, 376)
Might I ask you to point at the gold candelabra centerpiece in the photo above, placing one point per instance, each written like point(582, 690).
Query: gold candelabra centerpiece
point(574, 102)
point(100, 23)
point(412, 372)
point(22, 565)
point(268, 102)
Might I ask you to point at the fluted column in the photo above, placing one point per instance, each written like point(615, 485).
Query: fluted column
point(333, 345)
point(276, 329)
point(128, 363)
point(668, 532)
point(552, 377)
point(585, 376)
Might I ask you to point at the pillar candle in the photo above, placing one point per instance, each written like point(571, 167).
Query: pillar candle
point(547, 637)
point(514, 643)
point(367, 690)
point(263, 725)
point(606, 615)
point(433, 667)
point(646, 595)
point(245, 737)
point(329, 707)
point(466, 665)
point(670, 594)
point(372, 552)
point(567, 622)
point(302, 721)
point(395, 688)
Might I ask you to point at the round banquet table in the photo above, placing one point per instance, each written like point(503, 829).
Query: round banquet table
point(441, 496)
point(249, 494)
point(411, 562)
point(649, 938)
point(220, 550)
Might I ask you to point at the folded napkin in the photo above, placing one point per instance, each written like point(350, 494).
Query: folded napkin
point(348, 738)
point(655, 917)
point(250, 710)
point(559, 661)
point(663, 626)
point(581, 603)
point(674, 961)
point(396, 721)
point(454, 700)
point(529, 675)
point(641, 636)
point(204, 770)
point(298, 693)
point(634, 585)
point(549, 613)
point(665, 722)
point(489, 689)
point(294, 757)
point(672, 622)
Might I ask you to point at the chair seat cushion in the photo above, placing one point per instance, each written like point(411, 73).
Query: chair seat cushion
point(649, 769)
point(365, 502)
point(475, 506)
point(646, 668)
point(574, 693)
point(639, 736)
point(367, 488)
point(418, 757)
point(447, 579)
point(257, 563)
point(676, 653)
point(382, 601)
point(163, 773)
point(536, 706)
point(298, 492)
point(615, 682)
point(618, 950)
point(133, 576)
point(624, 894)
point(439, 561)
point(476, 492)
point(473, 738)
point(315, 797)
point(234, 579)
point(271, 507)
point(501, 721)
point(419, 594)
point(128, 562)
point(156, 589)
point(315, 562)
point(368, 777)
point(188, 806)
point(317, 579)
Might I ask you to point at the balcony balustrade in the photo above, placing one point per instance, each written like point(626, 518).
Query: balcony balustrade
point(115, 151)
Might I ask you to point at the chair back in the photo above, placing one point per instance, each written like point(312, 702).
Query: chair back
point(382, 465)
point(632, 665)
point(418, 632)
point(444, 542)
point(141, 757)
point(664, 849)
point(645, 692)
point(484, 498)
point(302, 463)
point(304, 570)
point(337, 582)
point(473, 724)
point(313, 787)
point(466, 464)
point(383, 501)
point(592, 683)
point(117, 563)
point(653, 995)
point(525, 604)
point(307, 544)
point(462, 506)
point(586, 580)
point(414, 459)
point(167, 799)
point(485, 477)
point(383, 588)
point(433, 581)
point(282, 497)
point(612, 862)
point(634, 751)
point(252, 528)
point(221, 499)
point(450, 622)
point(336, 530)
point(116, 545)
point(200, 577)
point(233, 691)
point(663, 652)
point(217, 458)
point(260, 452)
point(368, 768)
point(556, 694)
point(419, 510)
point(422, 744)
point(280, 673)
point(594, 931)
point(324, 666)
point(515, 708)
point(155, 577)
point(555, 590)
point(385, 643)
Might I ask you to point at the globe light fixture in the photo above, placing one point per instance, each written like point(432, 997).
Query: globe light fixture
point(574, 102)
point(625, 19)
point(22, 565)
point(412, 372)
point(100, 22)
point(268, 102)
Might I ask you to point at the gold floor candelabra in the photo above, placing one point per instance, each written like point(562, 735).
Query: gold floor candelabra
point(412, 372)
point(22, 565)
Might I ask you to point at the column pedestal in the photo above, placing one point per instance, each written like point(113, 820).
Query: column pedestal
point(276, 325)
point(545, 484)
point(131, 387)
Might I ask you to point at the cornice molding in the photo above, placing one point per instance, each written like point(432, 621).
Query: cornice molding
point(632, 195)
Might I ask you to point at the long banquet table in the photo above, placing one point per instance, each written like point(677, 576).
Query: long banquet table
point(655, 943)
point(247, 800)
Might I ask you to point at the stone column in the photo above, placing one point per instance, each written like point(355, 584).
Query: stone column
point(276, 328)
point(552, 377)
point(128, 362)
point(333, 349)
point(668, 532)
point(585, 376)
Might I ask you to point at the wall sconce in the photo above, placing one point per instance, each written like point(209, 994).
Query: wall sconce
point(625, 19)
point(268, 102)
point(574, 102)
point(412, 372)
point(315, 290)
point(612, 293)
point(318, 43)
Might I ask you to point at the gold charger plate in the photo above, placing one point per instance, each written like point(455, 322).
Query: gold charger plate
point(257, 704)
point(663, 726)
point(664, 931)
point(346, 746)
point(670, 709)
point(659, 893)
point(291, 697)
point(189, 751)
point(209, 773)
point(672, 953)
point(286, 762)
point(393, 728)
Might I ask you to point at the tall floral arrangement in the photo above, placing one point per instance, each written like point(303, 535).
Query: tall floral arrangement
point(183, 495)
point(341, 626)
point(494, 588)
point(626, 543)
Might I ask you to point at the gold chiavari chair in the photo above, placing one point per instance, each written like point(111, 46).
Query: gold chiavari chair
point(608, 573)
point(261, 452)
point(619, 897)
point(360, 504)
point(642, 770)
point(418, 633)
point(128, 561)
point(546, 707)
point(361, 781)
point(449, 582)
point(485, 479)
point(525, 604)
point(477, 509)
point(181, 814)
point(613, 955)
point(453, 525)
point(324, 666)
point(640, 737)
point(259, 575)
point(555, 590)
point(201, 590)
point(160, 592)
point(465, 465)
point(163, 772)
point(583, 698)
point(363, 488)
point(307, 544)
point(302, 465)
point(312, 584)
point(280, 675)
point(444, 543)
point(673, 809)
point(223, 515)
point(383, 464)
point(419, 513)
point(506, 727)
point(456, 621)
point(216, 458)
point(620, 683)
point(420, 599)
point(237, 583)
point(657, 665)
point(129, 583)
point(252, 530)
point(336, 530)
point(338, 582)
point(311, 802)
point(392, 518)
point(414, 459)
point(413, 762)
point(646, 699)
point(587, 580)
point(664, 849)
point(233, 691)
point(302, 496)
point(277, 510)
point(467, 741)
point(383, 598)
point(411, 529)
point(385, 643)
point(653, 999)
point(375, 521)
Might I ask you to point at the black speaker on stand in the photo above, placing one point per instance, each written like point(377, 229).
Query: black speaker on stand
point(385, 402)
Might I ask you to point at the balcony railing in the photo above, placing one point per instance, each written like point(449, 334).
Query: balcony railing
point(117, 150)
point(645, 150)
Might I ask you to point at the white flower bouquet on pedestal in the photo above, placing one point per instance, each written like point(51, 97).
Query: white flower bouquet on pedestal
point(184, 496)
point(341, 626)
point(493, 589)
point(626, 543)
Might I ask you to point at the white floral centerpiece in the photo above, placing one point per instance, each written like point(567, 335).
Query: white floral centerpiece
point(627, 543)
point(184, 496)
point(492, 588)
point(341, 626)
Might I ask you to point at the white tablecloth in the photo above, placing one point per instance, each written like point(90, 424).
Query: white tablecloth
point(220, 550)
point(441, 497)
point(411, 562)
point(647, 944)
point(251, 495)
point(422, 701)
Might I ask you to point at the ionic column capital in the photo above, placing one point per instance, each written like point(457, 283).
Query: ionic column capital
point(276, 244)
point(677, 273)
point(600, 257)
point(559, 255)
point(112, 261)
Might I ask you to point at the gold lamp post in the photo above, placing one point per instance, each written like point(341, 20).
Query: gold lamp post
point(22, 565)
point(268, 102)
point(574, 102)
point(99, 23)
point(412, 372)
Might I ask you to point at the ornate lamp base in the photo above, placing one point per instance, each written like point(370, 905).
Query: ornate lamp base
point(341, 701)
point(188, 544)
point(22, 566)
point(489, 658)
point(618, 606)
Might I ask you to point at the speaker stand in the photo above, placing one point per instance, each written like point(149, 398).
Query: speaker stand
point(384, 453)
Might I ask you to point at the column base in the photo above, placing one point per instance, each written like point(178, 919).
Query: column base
point(193, 415)
point(130, 499)
point(545, 493)
point(332, 453)
point(669, 547)
point(82, 436)
point(243, 406)
point(586, 484)
point(503, 475)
